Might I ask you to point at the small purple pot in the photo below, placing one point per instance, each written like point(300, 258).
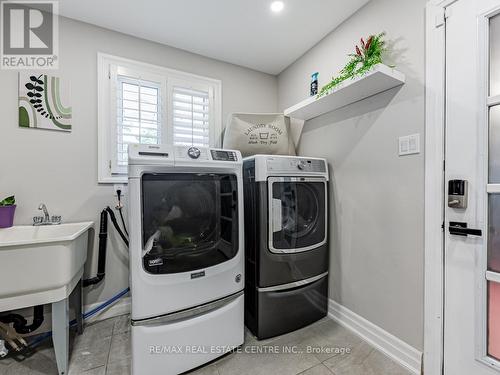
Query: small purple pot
point(7, 216)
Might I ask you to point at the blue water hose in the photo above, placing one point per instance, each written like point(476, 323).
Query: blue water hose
point(86, 315)
point(105, 304)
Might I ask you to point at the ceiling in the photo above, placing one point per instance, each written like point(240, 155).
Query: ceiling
point(242, 32)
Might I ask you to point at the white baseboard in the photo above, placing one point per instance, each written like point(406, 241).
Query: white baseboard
point(396, 349)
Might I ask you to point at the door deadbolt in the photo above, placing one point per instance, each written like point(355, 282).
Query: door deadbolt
point(457, 193)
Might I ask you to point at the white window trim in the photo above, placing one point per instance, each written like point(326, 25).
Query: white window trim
point(105, 109)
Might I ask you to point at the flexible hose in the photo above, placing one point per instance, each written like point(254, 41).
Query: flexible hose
point(103, 237)
point(123, 221)
point(115, 223)
point(119, 207)
point(105, 304)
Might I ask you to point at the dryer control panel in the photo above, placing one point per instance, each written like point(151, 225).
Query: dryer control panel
point(295, 165)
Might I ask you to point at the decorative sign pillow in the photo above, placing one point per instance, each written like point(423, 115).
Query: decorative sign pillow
point(253, 133)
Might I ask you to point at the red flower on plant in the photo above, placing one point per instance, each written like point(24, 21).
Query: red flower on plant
point(369, 42)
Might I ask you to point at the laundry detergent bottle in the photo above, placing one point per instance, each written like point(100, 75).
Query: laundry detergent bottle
point(314, 84)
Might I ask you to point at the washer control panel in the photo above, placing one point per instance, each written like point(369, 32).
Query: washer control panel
point(224, 155)
point(302, 165)
point(195, 154)
point(191, 153)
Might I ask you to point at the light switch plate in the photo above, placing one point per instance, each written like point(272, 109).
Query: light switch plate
point(409, 144)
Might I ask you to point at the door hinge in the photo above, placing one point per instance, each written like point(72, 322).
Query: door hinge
point(441, 16)
point(110, 165)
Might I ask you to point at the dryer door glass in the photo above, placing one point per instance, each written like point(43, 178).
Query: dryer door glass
point(189, 221)
point(297, 214)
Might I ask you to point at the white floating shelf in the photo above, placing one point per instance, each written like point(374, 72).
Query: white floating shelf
point(380, 78)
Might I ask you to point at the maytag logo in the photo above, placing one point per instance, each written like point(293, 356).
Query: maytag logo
point(155, 262)
point(29, 35)
point(196, 275)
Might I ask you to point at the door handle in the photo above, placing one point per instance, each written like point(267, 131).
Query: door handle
point(460, 229)
point(277, 215)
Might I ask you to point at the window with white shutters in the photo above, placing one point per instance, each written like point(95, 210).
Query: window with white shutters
point(139, 115)
point(148, 104)
point(191, 117)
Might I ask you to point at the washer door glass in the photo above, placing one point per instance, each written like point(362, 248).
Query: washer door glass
point(189, 221)
point(297, 214)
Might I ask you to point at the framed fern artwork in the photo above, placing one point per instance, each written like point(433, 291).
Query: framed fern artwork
point(43, 102)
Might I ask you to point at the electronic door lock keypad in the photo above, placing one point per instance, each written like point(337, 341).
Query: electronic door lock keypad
point(457, 193)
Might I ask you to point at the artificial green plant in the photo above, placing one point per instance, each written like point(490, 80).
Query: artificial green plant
point(9, 201)
point(365, 58)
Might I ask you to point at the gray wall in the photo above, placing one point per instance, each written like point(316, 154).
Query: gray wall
point(376, 228)
point(377, 197)
point(60, 169)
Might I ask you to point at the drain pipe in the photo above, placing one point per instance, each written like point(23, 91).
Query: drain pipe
point(38, 340)
point(101, 262)
point(21, 324)
point(103, 237)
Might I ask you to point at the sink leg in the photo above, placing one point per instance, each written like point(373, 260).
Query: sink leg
point(60, 334)
point(77, 305)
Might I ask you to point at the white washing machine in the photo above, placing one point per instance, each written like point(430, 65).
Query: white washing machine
point(186, 256)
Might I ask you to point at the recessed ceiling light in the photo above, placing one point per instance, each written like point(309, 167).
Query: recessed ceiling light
point(277, 6)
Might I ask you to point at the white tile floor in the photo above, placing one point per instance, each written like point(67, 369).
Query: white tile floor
point(104, 349)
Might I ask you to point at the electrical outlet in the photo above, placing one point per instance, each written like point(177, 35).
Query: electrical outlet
point(409, 144)
point(121, 187)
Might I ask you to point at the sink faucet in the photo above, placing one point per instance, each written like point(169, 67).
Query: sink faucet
point(43, 208)
point(46, 219)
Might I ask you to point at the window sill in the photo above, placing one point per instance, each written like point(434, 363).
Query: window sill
point(113, 180)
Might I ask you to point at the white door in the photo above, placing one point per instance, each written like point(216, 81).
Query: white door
point(472, 261)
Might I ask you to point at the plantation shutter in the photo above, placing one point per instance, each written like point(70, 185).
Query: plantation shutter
point(141, 103)
point(191, 116)
point(139, 115)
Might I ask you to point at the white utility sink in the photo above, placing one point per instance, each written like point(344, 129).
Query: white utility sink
point(41, 264)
